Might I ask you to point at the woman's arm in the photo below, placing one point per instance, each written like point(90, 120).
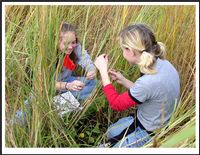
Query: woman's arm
point(84, 59)
point(119, 78)
point(61, 85)
point(117, 101)
point(128, 84)
point(102, 65)
point(104, 77)
point(71, 86)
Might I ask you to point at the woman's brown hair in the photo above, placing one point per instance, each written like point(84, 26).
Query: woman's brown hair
point(64, 28)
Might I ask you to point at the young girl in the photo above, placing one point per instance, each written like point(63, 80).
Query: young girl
point(80, 87)
point(154, 93)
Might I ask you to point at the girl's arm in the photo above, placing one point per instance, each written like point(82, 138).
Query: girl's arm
point(104, 77)
point(84, 59)
point(128, 84)
point(119, 78)
point(61, 85)
point(117, 101)
point(71, 86)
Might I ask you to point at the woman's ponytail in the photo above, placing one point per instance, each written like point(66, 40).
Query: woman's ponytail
point(161, 52)
point(146, 63)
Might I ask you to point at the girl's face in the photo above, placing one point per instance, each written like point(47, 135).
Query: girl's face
point(131, 56)
point(67, 42)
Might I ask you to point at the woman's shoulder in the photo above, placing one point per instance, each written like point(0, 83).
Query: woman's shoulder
point(164, 63)
point(166, 67)
point(78, 46)
point(145, 79)
point(78, 49)
point(148, 80)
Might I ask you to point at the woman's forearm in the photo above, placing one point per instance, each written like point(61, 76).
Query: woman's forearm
point(106, 80)
point(60, 85)
point(127, 83)
point(105, 77)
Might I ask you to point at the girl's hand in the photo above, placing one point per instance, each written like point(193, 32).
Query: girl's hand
point(75, 85)
point(101, 62)
point(117, 76)
point(90, 75)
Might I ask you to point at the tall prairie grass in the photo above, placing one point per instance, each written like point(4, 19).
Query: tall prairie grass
point(31, 53)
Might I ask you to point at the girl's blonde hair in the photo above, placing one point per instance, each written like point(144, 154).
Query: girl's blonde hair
point(140, 38)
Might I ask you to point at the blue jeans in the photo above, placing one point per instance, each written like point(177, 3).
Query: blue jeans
point(21, 115)
point(86, 91)
point(137, 138)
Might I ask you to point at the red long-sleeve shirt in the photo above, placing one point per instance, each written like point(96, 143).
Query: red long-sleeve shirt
point(118, 101)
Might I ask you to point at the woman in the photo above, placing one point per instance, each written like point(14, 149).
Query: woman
point(80, 87)
point(154, 93)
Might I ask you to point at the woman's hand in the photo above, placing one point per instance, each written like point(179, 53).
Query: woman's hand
point(101, 62)
point(117, 76)
point(90, 75)
point(102, 65)
point(75, 85)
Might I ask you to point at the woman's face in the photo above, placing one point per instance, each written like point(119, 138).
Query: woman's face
point(68, 42)
point(131, 56)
